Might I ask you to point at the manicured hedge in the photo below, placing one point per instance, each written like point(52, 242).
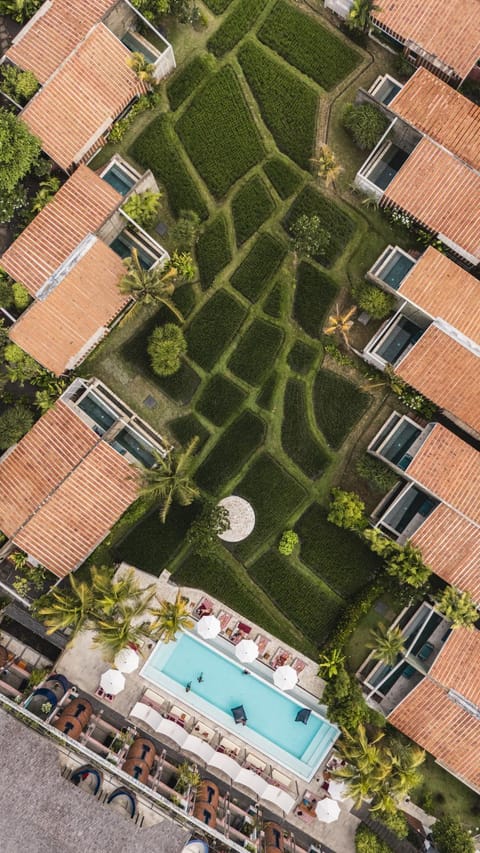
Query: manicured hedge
point(274, 495)
point(260, 265)
point(231, 452)
point(310, 605)
point(187, 79)
point(288, 105)
point(301, 357)
point(212, 329)
point(256, 351)
point(283, 176)
point(182, 385)
point(219, 133)
point(337, 556)
point(235, 26)
point(151, 545)
point(339, 225)
point(267, 395)
point(308, 46)
point(273, 304)
point(314, 294)
point(157, 148)
point(217, 6)
point(213, 250)
point(251, 206)
point(219, 399)
point(338, 405)
point(297, 439)
point(186, 427)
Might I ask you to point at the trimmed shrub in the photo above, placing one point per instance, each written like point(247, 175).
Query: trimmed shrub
point(219, 399)
point(157, 148)
point(213, 250)
point(235, 26)
point(212, 329)
point(309, 604)
point(337, 556)
point(255, 353)
point(302, 357)
point(365, 124)
point(347, 510)
point(166, 346)
point(297, 439)
point(309, 236)
point(283, 176)
point(267, 395)
point(287, 104)
point(219, 133)
point(288, 542)
point(373, 300)
point(314, 294)
point(187, 427)
point(251, 206)
point(338, 224)
point(231, 452)
point(308, 46)
point(366, 841)
point(188, 79)
point(259, 266)
point(378, 475)
point(14, 423)
point(338, 405)
point(21, 296)
point(354, 612)
point(274, 495)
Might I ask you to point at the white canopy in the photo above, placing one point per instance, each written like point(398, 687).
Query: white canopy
point(246, 651)
point(224, 763)
point(285, 677)
point(112, 681)
point(280, 798)
point(209, 627)
point(170, 729)
point(198, 747)
point(127, 660)
point(337, 789)
point(251, 780)
point(148, 715)
point(327, 810)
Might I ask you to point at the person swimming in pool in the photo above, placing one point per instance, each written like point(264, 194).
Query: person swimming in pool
point(188, 687)
point(200, 678)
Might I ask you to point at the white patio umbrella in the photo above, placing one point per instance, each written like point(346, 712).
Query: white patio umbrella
point(285, 677)
point(208, 627)
point(112, 681)
point(246, 651)
point(127, 660)
point(337, 789)
point(327, 810)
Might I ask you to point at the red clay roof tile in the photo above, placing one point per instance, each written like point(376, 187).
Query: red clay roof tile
point(450, 546)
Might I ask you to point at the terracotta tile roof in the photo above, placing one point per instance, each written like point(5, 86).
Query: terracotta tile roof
point(441, 192)
point(451, 33)
point(442, 113)
point(446, 372)
point(442, 727)
point(58, 328)
point(457, 666)
point(450, 545)
point(450, 469)
point(42, 46)
point(62, 490)
point(83, 98)
point(79, 208)
point(443, 289)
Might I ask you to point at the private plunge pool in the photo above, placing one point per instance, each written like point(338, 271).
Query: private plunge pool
point(271, 726)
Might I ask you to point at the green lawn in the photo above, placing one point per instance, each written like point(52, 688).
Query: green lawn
point(251, 206)
point(219, 399)
point(255, 352)
point(334, 219)
point(231, 452)
point(213, 250)
point(314, 295)
point(338, 405)
point(297, 439)
point(212, 329)
point(259, 266)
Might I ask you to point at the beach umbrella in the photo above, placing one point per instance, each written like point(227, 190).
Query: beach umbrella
point(112, 681)
point(337, 789)
point(327, 810)
point(208, 627)
point(285, 677)
point(246, 651)
point(127, 660)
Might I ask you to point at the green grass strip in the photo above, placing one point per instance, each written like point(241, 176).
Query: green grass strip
point(239, 21)
point(297, 439)
point(260, 265)
point(231, 452)
point(213, 250)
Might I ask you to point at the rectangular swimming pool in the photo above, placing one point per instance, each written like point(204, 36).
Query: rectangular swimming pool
point(271, 725)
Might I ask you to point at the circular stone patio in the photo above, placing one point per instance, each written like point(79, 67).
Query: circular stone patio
point(241, 516)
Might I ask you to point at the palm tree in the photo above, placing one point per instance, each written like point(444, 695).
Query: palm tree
point(115, 635)
point(367, 766)
point(150, 286)
point(340, 324)
point(47, 190)
point(405, 775)
point(458, 607)
point(330, 663)
point(141, 67)
point(59, 610)
point(170, 479)
point(111, 594)
point(183, 264)
point(387, 644)
point(327, 166)
point(359, 15)
point(170, 618)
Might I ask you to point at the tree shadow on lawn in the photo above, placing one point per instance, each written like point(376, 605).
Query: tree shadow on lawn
point(152, 545)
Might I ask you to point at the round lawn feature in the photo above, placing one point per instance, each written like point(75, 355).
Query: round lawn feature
point(241, 516)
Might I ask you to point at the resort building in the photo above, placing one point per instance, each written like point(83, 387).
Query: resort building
point(72, 476)
point(438, 507)
point(70, 260)
point(432, 692)
point(432, 340)
point(78, 53)
point(426, 166)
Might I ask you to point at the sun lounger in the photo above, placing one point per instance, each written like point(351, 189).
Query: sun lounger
point(298, 665)
point(204, 607)
point(280, 658)
point(281, 780)
point(262, 643)
point(228, 748)
point(255, 764)
point(224, 618)
point(244, 628)
point(425, 651)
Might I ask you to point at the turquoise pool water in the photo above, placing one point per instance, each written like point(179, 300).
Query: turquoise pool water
point(270, 713)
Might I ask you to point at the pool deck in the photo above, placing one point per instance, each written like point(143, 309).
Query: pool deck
point(83, 664)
